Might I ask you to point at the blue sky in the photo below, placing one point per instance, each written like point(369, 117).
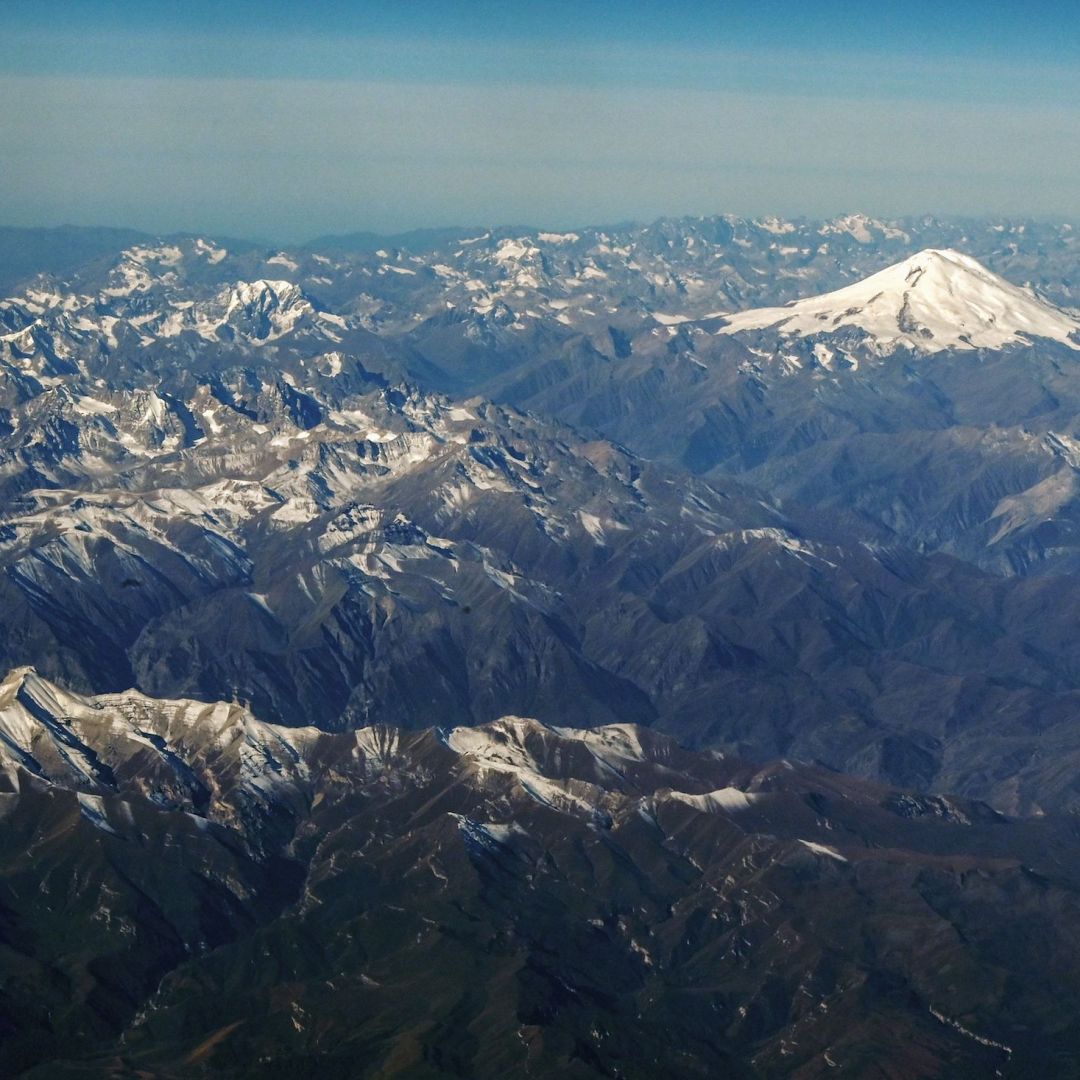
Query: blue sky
point(287, 120)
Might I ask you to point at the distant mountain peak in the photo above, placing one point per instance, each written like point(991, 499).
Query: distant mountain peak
point(934, 300)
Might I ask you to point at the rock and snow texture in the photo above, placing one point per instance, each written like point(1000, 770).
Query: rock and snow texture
point(933, 301)
point(209, 758)
point(129, 741)
point(259, 881)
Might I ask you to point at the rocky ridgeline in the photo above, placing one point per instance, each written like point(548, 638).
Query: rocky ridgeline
point(596, 884)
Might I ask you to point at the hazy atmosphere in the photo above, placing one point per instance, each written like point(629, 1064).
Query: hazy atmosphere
point(540, 540)
point(281, 123)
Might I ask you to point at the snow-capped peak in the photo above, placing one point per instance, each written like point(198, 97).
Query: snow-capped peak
point(264, 294)
point(266, 309)
point(934, 300)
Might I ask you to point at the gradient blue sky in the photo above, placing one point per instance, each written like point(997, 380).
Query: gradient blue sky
point(288, 120)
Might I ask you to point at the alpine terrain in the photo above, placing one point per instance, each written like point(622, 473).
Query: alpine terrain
point(641, 651)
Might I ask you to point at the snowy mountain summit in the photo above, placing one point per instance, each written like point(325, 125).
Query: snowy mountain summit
point(932, 301)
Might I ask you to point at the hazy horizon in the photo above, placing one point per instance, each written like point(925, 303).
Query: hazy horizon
point(523, 227)
point(261, 121)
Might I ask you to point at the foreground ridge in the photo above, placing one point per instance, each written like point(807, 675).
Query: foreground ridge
point(233, 891)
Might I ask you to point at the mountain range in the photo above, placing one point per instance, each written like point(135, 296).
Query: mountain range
point(691, 606)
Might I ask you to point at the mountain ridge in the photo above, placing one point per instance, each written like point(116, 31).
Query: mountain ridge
point(619, 903)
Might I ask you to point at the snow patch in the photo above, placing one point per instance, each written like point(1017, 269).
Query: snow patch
point(726, 800)
point(823, 849)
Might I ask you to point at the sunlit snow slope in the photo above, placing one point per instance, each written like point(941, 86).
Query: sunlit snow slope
point(933, 301)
